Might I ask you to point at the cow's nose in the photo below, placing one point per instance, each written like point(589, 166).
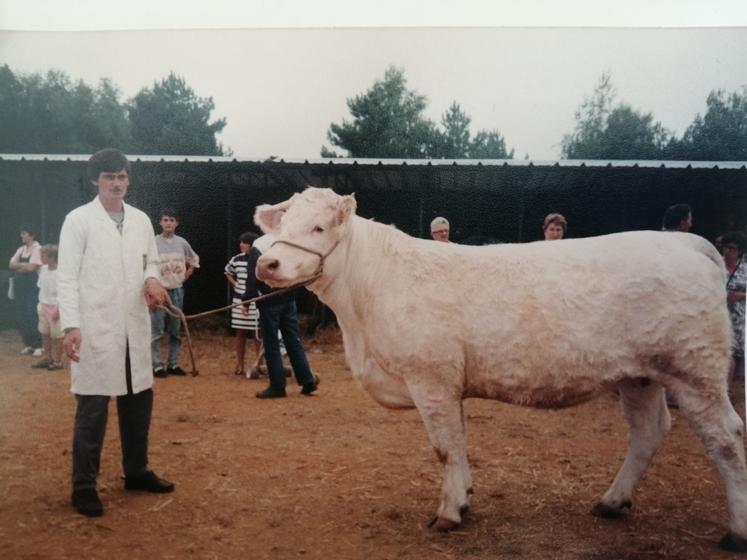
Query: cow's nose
point(266, 267)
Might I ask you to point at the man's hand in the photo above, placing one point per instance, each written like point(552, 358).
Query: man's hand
point(71, 344)
point(155, 294)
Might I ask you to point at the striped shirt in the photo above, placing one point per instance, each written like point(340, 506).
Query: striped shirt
point(238, 268)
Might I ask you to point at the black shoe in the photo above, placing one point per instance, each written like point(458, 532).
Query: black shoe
point(148, 482)
point(86, 502)
point(309, 388)
point(159, 372)
point(271, 393)
point(176, 370)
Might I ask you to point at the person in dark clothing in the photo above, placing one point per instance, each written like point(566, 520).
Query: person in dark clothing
point(25, 264)
point(278, 313)
point(678, 217)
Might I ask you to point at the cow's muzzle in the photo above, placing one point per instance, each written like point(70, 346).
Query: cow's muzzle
point(267, 268)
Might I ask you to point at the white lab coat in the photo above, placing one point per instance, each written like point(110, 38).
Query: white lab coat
point(100, 286)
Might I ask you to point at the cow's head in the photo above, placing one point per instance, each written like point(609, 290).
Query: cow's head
point(308, 227)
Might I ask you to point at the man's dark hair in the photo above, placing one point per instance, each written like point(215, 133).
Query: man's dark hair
point(248, 237)
point(736, 238)
point(28, 228)
point(674, 216)
point(170, 213)
point(109, 160)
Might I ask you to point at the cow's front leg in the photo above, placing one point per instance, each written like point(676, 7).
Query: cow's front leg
point(442, 414)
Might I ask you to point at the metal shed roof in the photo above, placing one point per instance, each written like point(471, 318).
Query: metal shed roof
point(404, 162)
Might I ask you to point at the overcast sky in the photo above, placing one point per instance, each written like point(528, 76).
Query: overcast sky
point(280, 89)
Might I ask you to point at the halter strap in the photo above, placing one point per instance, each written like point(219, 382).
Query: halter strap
point(321, 256)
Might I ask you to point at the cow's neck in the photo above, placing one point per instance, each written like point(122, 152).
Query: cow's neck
point(354, 267)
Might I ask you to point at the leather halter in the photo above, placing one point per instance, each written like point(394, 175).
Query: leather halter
point(322, 257)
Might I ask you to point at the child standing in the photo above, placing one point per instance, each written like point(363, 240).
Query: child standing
point(177, 262)
point(48, 312)
point(236, 273)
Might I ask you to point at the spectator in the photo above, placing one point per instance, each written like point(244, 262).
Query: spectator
point(718, 242)
point(278, 313)
point(440, 229)
point(177, 262)
point(106, 280)
point(678, 218)
point(554, 227)
point(243, 320)
point(25, 265)
point(48, 311)
point(736, 285)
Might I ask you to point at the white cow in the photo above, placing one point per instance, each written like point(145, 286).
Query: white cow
point(429, 324)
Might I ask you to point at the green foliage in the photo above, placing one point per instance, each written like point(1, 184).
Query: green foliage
point(13, 110)
point(109, 124)
point(720, 135)
point(388, 122)
point(490, 145)
point(454, 140)
point(170, 119)
point(605, 131)
point(51, 114)
point(325, 152)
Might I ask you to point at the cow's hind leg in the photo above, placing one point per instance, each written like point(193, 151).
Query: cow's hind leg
point(721, 429)
point(444, 420)
point(645, 410)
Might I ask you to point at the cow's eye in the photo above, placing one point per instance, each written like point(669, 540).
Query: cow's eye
point(318, 229)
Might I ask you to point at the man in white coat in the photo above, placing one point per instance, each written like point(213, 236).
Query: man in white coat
point(107, 279)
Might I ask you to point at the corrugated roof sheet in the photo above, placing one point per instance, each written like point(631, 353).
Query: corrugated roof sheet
point(404, 162)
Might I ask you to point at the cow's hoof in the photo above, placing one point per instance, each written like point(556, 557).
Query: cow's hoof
point(609, 512)
point(733, 543)
point(442, 524)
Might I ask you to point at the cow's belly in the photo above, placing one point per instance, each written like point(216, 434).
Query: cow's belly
point(539, 397)
point(545, 386)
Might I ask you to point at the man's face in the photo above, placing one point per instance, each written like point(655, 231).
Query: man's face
point(112, 185)
point(440, 232)
point(26, 237)
point(244, 247)
point(687, 223)
point(168, 224)
point(553, 232)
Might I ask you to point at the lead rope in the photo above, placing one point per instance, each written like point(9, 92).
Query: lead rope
point(178, 313)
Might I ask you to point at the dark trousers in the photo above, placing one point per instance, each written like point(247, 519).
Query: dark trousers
point(25, 301)
point(134, 412)
point(283, 316)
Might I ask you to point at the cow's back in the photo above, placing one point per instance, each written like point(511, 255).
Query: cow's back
point(564, 317)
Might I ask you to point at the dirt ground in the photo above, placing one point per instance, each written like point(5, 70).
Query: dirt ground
point(337, 476)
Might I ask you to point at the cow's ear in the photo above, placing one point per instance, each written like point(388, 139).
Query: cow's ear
point(345, 208)
point(268, 216)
